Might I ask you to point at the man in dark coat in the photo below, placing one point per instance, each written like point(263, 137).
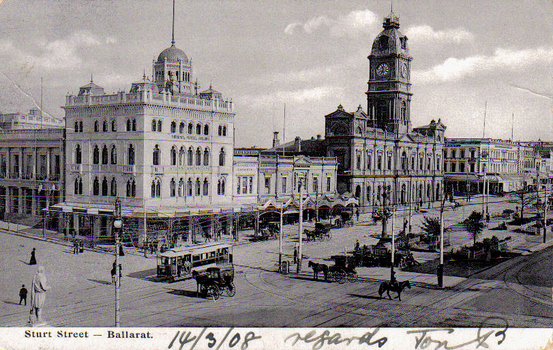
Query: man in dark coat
point(33, 258)
point(23, 295)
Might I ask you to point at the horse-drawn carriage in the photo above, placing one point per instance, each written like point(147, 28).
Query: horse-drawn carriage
point(380, 256)
point(269, 231)
point(214, 281)
point(343, 269)
point(321, 232)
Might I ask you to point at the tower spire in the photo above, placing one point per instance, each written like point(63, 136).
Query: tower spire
point(173, 27)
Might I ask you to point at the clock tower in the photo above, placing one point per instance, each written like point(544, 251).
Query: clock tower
point(389, 91)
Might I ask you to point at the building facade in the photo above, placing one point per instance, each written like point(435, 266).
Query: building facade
point(379, 153)
point(162, 148)
point(508, 165)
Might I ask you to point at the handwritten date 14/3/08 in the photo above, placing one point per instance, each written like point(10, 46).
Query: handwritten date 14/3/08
point(211, 340)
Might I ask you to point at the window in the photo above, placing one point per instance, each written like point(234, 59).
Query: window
point(315, 184)
point(133, 126)
point(131, 155)
point(114, 125)
point(237, 186)
point(197, 186)
point(172, 188)
point(181, 128)
point(198, 156)
point(105, 157)
point(222, 157)
point(76, 126)
point(369, 161)
point(189, 186)
point(104, 187)
point(78, 186)
point(369, 194)
point(113, 187)
point(156, 188)
point(284, 179)
point(131, 188)
point(96, 126)
point(206, 157)
point(267, 185)
point(96, 155)
point(198, 129)
point(173, 155)
point(251, 184)
point(156, 156)
point(181, 187)
point(379, 162)
point(404, 161)
point(206, 129)
point(96, 187)
point(78, 155)
point(154, 125)
point(328, 183)
point(389, 162)
point(173, 127)
point(128, 125)
point(206, 187)
point(105, 126)
point(182, 155)
point(190, 156)
point(113, 155)
point(403, 111)
point(245, 185)
point(190, 128)
point(358, 161)
point(221, 186)
point(220, 131)
point(224, 130)
point(159, 126)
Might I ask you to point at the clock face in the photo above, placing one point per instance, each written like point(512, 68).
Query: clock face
point(382, 70)
point(404, 70)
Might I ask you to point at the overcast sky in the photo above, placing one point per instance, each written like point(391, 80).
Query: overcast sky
point(311, 55)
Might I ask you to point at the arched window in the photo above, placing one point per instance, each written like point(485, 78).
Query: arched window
point(159, 126)
point(76, 186)
point(182, 155)
point(198, 156)
point(181, 187)
point(113, 154)
point(189, 187)
point(96, 155)
point(206, 157)
point(220, 130)
point(113, 187)
point(96, 187)
point(190, 128)
point(105, 126)
point(198, 187)
point(173, 127)
point(181, 128)
point(206, 129)
point(403, 111)
point(153, 189)
point(105, 157)
point(190, 156)
point(221, 187)
point(128, 125)
point(224, 130)
point(206, 187)
point(104, 187)
point(76, 126)
point(199, 129)
point(96, 126)
point(173, 155)
point(114, 125)
point(134, 126)
point(156, 155)
point(172, 188)
point(154, 125)
point(158, 188)
point(81, 126)
point(404, 161)
point(131, 155)
point(129, 188)
point(369, 194)
point(222, 157)
point(78, 155)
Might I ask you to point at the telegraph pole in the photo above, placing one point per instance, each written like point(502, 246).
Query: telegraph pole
point(300, 227)
point(117, 224)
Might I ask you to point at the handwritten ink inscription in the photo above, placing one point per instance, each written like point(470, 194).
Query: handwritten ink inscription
point(211, 340)
point(326, 338)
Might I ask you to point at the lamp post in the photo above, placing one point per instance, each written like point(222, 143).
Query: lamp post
point(300, 227)
point(117, 224)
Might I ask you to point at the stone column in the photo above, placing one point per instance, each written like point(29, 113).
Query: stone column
point(33, 202)
point(48, 162)
point(20, 161)
point(190, 228)
point(95, 223)
point(66, 221)
point(77, 223)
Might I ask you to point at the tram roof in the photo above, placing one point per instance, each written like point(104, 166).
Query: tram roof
point(197, 249)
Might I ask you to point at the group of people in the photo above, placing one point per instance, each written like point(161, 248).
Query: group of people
point(78, 246)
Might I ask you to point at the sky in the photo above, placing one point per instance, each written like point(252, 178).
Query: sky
point(471, 58)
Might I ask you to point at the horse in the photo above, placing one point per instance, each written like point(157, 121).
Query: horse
point(318, 267)
point(398, 288)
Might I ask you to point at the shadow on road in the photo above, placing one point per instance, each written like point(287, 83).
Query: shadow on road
point(100, 281)
point(309, 278)
point(25, 262)
point(10, 302)
point(147, 275)
point(186, 293)
point(364, 296)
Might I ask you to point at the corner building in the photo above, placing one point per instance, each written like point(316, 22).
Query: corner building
point(378, 150)
point(163, 148)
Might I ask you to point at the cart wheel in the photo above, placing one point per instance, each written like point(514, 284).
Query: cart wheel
point(352, 277)
point(340, 276)
point(213, 292)
point(230, 290)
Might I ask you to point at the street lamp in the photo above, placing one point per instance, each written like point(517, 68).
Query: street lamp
point(117, 224)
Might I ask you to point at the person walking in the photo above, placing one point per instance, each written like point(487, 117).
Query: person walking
point(113, 272)
point(23, 295)
point(39, 287)
point(295, 255)
point(357, 214)
point(33, 257)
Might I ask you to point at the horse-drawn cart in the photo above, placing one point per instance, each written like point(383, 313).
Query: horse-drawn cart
point(321, 232)
point(214, 281)
point(343, 269)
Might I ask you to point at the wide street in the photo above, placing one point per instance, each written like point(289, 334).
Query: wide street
point(518, 291)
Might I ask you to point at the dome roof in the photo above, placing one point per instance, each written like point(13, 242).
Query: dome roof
point(390, 40)
point(172, 54)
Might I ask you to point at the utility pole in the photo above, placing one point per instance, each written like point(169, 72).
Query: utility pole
point(300, 227)
point(545, 215)
point(117, 224)
point(440, 271)
point(393, 245)
point(280, 234)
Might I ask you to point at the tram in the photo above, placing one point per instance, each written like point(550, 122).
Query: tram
point(180, 262)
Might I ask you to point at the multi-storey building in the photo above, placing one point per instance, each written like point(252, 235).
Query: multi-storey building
point(32, 178)
point(162, 148)
point(35, 119)
point(378, 152)
point(507, 165)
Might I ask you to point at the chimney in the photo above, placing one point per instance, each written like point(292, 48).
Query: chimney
point(276, 141)
point(297, 144)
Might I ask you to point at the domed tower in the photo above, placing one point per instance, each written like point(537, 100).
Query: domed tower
point(389, 86)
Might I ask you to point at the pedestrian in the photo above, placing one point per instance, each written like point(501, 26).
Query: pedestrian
point(295, 255)
point(357, 245)
point(75, 247)
point(23, 295)
point(152, 248)
point(38, 295)
point(145, 247)
point(33, 257)
point(357, 214)
point(113, 272)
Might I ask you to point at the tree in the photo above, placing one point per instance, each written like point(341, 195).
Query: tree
point(525, 199)
point(431, 226)
point(474, 225)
